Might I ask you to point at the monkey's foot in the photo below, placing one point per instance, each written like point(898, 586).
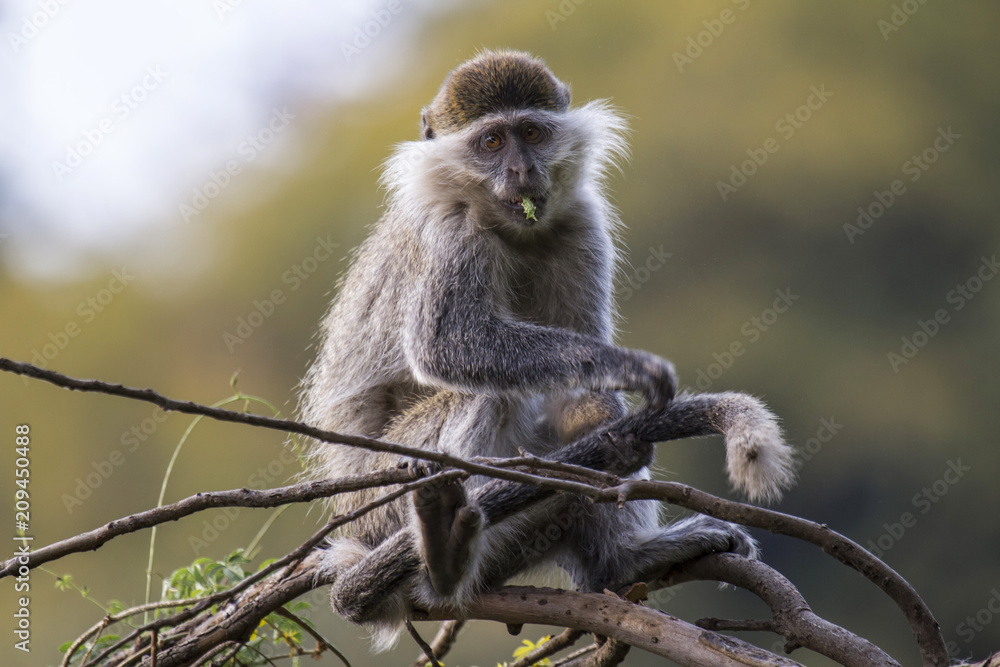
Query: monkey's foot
point(687, 540)
point(448, 526)
point(722, 536)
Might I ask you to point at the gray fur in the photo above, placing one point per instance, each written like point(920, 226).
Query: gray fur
point(465, 328)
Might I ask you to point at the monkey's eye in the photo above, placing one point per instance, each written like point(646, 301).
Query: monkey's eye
point(532, 134)
point(492, 141)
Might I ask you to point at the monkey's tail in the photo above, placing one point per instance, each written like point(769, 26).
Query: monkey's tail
point(758, 461)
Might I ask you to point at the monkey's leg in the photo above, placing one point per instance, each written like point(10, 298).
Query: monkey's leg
point(443, 527)
point(377, 587)
point(600, 545)
point(757, 459)
point(611, 547)
point(446, 552)
point(607, 547)
point(512, 513)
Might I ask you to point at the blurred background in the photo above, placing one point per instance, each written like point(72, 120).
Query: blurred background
point(811, 212)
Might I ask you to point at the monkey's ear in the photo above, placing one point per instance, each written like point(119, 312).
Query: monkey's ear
point(565, 93)
point(425, 124)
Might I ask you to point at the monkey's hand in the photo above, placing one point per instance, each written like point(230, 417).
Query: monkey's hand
point(652, 376)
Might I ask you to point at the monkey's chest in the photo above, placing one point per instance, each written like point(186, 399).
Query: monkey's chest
point(560, 306)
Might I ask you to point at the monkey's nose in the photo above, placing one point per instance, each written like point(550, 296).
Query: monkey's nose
point(521, 171)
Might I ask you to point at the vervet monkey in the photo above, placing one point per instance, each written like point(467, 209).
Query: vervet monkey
point(477, 320)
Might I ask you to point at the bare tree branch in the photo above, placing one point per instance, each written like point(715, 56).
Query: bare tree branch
point(202, 632)
point(322, 644)
point(424, 646)
point(283, 425)
point(610, 616)
point(297, 493)
point(925, 629)
point(793, 619)
point(443, 641)
point(289, 563)
point(612, 652)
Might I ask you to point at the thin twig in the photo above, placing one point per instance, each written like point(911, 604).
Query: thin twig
point(428, 651)
point(287, 561)
point(575, 656)
point(565, 639)
point(216, 651)
point(922, 623)
point(749, 625)
point(925, 629)
point(793, 619)
point(304, 492)
point(321, 641)
point(443, 641)
point(284, 425)
point(611, 653)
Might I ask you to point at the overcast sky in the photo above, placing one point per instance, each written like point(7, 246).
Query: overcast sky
point(112, 111)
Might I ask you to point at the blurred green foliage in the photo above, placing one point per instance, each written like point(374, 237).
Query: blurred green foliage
point(879, 441)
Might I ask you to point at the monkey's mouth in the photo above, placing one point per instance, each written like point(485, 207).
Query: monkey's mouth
point(528, 207)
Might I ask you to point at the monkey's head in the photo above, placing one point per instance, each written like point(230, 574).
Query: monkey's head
point(506, 109)
point(490, 83)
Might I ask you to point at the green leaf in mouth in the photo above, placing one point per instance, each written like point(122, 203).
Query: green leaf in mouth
point(529, 208)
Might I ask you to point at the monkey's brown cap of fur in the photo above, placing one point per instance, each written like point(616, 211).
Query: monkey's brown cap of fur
point(493, 81)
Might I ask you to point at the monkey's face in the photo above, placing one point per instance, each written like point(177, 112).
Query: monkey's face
point(513, 154)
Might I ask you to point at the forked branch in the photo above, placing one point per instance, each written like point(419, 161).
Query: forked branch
point(198, 632)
